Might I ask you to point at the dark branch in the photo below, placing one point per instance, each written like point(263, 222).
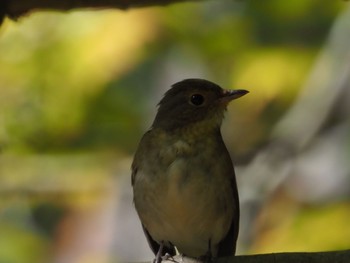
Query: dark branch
point(17, 8)
point(295, 257)
point(342, 256)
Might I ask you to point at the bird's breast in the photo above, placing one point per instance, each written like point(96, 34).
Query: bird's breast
point(191, 202)
point(188, 199)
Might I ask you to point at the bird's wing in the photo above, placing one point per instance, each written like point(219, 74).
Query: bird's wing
point(133, 174)
point(138, 157)
point(154, 245)
point(227, 247)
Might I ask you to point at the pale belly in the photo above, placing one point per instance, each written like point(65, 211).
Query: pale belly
point(188, 214)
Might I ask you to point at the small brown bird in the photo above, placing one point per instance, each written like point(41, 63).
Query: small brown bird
point(183, 178)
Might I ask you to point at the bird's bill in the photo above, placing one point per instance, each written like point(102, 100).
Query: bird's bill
point(229, 95)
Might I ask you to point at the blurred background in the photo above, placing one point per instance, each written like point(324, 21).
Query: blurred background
point(78, 90)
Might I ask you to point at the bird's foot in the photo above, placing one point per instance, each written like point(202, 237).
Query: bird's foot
point(158, 258)
point(169, 258)
point(207, 258)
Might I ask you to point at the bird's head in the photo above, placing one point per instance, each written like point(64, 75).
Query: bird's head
point(195, 102)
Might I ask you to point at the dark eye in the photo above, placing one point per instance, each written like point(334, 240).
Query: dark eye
point(197, 99)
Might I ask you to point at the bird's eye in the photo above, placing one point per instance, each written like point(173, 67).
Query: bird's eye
point(197, 99)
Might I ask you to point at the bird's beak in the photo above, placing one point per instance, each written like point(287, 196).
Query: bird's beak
point(229, 95)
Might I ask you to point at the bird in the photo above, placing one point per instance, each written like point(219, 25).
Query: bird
point(183, 179)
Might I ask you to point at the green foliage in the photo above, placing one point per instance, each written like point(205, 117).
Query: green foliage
point(18, 245)
point(315, 228)
point(74, 81)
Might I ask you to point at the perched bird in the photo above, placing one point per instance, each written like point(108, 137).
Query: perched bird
point(183, 178)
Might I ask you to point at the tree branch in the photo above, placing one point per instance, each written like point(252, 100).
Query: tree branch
point(17, 8)
point(295, 257)
point(342, 256)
